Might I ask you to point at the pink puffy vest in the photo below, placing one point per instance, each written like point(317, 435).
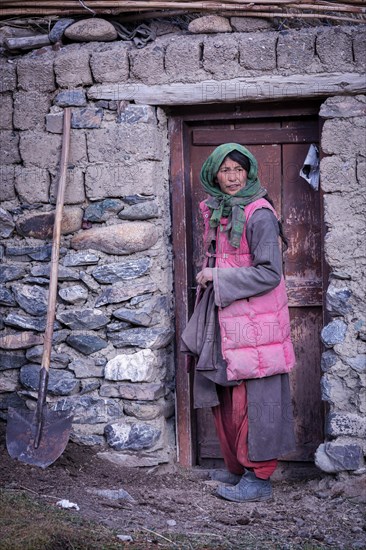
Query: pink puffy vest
point(255, 332)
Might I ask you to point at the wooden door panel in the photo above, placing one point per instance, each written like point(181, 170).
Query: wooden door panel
point(306, 324)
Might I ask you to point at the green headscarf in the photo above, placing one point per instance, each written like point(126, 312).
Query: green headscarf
point(230, 206)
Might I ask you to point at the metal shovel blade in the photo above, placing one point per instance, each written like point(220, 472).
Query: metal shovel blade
point(21, 431)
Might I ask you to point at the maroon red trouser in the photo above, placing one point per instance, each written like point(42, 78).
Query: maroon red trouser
point(231, 421)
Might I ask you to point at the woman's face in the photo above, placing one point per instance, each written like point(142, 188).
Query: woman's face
point(231, 177)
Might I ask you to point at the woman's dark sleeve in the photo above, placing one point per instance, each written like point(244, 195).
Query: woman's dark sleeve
point(235, 283)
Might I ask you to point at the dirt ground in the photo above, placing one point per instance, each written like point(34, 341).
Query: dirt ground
point(324, 512)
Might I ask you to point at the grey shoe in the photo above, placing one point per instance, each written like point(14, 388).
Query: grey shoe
point(249, 489)
point(224, 476)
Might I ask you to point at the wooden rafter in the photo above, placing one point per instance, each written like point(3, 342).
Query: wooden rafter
point(345, 10)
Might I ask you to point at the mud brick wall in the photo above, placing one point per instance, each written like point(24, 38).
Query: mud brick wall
point(112, 359)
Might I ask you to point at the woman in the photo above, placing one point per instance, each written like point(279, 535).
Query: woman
point(240, 330)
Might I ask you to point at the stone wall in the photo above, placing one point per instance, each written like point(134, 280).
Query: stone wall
point(343, 180)
point(112, 356)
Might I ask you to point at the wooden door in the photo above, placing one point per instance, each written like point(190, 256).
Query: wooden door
point(279, 139)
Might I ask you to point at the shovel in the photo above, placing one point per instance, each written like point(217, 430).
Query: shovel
point(39, 437)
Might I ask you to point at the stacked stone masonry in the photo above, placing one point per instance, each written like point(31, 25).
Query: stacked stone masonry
point(343, 180)
point(112, 358)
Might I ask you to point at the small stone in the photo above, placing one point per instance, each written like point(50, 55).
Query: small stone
point(171, 522)
point(137, 199)
point(149, 314)
point(75, 259)
point(113, 494)
point(134, 317)
point(328, 360)
point(125, 238)
point(40, 225)
point(144, 410)
point(91, 30)
point(87, 117)
point(140, 392)
point(357, 363)
point(9, 382)
point(59, 28)
point(121, 292)
point(142, 211)
point(28, 323)
point(342, 107)
point(71, 98)
point(138, 300)
point(33, 299)
point(58, 360)
point(136, 367)
point(117, 326)
point(334, 333)
point(90, 410)
point(11, 273)
point(332, 457)
point(89, 281)
point(60, 336)
point(64, 274)
point(6, 224)
point(131, 436)
point(89, 319)
point(134, 460)
point(337, 300)
point(35, 281)
point(339, 274)
point(88, 386)
point(12, 360)
point(209, 24)
point(125, 538)
point(74, 294)
point(136, 113)
point(86, 370)
point(101, 211)
point(38, 253)
point(21, 340)
point(122, 271)
point(6, 297)
point(86, 343)
point(346, 424)
point(326, 388)
point(59, 383)
point(102, 104)
point(153, 338)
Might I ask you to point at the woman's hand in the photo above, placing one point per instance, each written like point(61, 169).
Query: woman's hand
point(204, 276)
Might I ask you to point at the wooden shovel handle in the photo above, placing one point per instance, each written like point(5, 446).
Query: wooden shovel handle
point(51, 308)
point(52, 294)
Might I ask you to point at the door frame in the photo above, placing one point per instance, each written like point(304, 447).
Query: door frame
point(178, 127)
